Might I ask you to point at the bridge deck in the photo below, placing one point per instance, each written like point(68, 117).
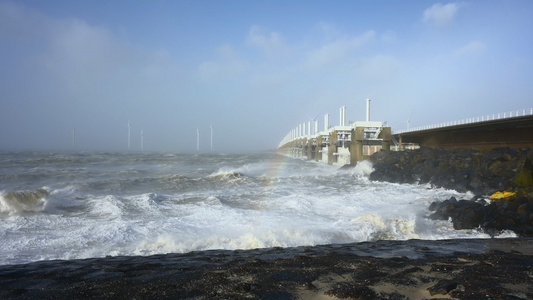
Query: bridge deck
point(513, 132)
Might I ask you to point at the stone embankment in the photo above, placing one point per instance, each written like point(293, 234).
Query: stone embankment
point(483, 173)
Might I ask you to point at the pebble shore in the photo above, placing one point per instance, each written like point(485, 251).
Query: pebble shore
point(414, 269)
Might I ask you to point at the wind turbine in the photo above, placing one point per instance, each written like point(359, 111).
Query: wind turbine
point(197, 139)
point(74, 137)
point(211, 136)
point(409, 120)
point(314, 122)
point(142, 140)
point(129, 132)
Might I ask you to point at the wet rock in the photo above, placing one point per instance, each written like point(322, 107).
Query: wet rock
point(494, 217)
point(481, 172)
point(444, 287)
point(377, 270)
point(465, 214)
point(346, 290)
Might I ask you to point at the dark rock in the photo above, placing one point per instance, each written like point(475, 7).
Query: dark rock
point(477, 198)
point(512, 214)
point(465, 214)
point(466, 218)
point(345, 290)
point(444, 287)
point(480, 172)
point(433, 206)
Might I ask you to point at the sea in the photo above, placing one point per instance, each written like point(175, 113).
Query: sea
point(75, 205)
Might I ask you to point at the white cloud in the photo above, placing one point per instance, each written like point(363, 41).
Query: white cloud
point(77, 48)
point(227, 65)
point(21, 25)
point(77, 63)
point(388, 37)
point(328, 30)
point(440, 14)
point(379, 67)
point(272, 44)
point(472, 48)
point(338, 50)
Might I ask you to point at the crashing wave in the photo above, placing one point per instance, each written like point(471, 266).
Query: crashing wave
point(23, 201)
point(363, 168)
point(227, 174)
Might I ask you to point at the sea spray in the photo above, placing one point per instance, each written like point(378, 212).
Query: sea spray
point(363, 168)
point(100, 204)
point(23, 201)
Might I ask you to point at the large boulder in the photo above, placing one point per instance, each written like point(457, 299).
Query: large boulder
point(515, 214)
point(465, 214)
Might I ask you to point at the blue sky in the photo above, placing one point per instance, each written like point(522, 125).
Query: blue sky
point(253, 69)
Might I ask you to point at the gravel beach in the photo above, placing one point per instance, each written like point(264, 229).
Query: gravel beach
point(413, 269)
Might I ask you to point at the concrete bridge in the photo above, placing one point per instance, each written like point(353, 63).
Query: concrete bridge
point(511, 129)
point(348, 144)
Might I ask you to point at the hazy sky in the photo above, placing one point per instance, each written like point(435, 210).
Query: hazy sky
point(254, 69)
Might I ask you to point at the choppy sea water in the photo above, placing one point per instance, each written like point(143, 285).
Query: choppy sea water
point(83, 205)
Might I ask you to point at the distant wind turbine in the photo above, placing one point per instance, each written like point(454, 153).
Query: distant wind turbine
point(197, 139)
point(211, 136)
point(409, 120)
point(142, 141)
point(313, 120)
point(74, 137)
point(129, 132)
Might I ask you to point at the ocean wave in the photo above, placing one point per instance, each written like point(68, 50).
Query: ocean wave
point(23, 201)
point(108, 207)
point(174, 178)
point(374, 227)
point(363, 168)
point(144, 204)
point(227, 174)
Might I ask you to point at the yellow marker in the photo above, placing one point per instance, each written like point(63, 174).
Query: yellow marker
point(502, 195)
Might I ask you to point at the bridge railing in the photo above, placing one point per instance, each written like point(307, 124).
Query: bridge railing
point(486, 118)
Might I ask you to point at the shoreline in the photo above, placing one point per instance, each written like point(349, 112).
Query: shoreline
point(416, 269)
point(503, 175)
point(383, 269)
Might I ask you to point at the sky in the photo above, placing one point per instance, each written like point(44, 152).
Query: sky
point(253, 70)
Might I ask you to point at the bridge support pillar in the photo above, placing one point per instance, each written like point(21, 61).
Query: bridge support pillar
point(386, 137)
point(356, 146)
point(309, 153)
point(318, 148)
point(332, 148)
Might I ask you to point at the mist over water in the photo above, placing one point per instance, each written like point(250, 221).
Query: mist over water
point(81, 205)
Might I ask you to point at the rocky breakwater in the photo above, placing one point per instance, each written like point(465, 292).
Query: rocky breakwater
point(501, 179)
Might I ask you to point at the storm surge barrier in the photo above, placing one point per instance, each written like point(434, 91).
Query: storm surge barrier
point(337, 145)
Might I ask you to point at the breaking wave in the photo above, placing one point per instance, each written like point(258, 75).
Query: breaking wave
point(92, 206)
point(23, 201)
point(363, 168)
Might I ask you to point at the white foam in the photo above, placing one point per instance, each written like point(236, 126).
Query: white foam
point(363, 168)
point(23, 201)
point(300, 204)
point(107, 207)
